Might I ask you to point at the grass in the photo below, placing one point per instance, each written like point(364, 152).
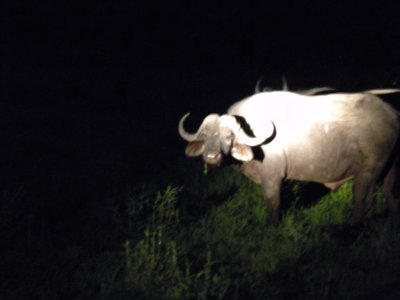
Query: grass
point(208, 239)
point(231, 251)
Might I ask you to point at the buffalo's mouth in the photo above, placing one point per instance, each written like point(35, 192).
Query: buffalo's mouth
point(212, 158)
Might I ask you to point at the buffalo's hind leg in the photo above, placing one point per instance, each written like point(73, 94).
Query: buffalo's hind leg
point(391, 193)
point(363, 196)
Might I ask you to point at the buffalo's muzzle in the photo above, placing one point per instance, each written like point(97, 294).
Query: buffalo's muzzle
point(212, 158)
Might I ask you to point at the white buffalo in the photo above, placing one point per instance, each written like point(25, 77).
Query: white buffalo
point(328, 139)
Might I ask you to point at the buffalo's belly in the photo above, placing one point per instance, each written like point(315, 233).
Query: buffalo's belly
point(325, 162)
point(335, 185)
point(329, 172)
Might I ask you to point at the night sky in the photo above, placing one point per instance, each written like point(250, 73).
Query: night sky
point(92, 91)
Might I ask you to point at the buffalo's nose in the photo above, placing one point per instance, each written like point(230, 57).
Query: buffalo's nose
point(212, 158)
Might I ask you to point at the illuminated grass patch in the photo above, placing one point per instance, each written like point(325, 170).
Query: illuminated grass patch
point(232, 251)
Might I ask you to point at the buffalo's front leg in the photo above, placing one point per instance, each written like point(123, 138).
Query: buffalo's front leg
point(271, 181)
point(272, 190)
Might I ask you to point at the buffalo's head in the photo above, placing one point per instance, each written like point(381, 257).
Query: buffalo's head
point(221, 135)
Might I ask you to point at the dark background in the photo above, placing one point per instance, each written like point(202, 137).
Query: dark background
point(91, 92)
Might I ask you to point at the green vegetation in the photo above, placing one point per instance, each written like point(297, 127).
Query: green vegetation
point(231, 251)
point(210, 239)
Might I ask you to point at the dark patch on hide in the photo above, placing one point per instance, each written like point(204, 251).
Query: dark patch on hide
point(258, 153)
point(244, 125)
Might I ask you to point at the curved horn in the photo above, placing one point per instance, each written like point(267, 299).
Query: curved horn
point(236, 124)
point(259, 138)
point(315, 91)
point(285, 86)
point(382, 91)
point(183, 133)
point(190, 137)
point(257, 89)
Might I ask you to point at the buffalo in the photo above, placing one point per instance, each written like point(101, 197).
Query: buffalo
point(328, 139)
point(285, 87)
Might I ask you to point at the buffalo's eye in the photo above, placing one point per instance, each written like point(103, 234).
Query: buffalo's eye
point(229, 136)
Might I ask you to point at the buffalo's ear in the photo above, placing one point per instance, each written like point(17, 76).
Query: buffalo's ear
point(195, 148)
point(242, 152)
